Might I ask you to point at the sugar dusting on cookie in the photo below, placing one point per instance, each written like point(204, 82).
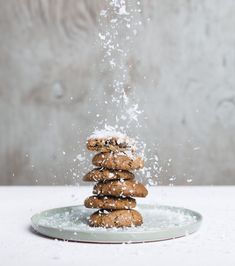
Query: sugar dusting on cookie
point(108, 132)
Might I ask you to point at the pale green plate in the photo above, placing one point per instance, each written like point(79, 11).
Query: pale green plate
point(160, 223)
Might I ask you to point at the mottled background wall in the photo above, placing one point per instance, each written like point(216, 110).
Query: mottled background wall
point(183, 74)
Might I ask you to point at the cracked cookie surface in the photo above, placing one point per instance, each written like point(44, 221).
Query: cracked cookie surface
point(115, 218)
point(110, 203)
point(117, 188)
point(118, 161)
point(102, 174)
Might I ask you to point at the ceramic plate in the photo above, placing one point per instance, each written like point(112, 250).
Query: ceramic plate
point(160, 223)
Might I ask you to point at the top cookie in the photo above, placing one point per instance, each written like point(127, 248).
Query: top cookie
point(107, 140)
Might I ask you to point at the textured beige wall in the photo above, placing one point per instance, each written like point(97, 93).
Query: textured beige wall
point(48, 55)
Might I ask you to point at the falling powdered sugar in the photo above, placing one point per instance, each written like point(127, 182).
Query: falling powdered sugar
point(118, 26)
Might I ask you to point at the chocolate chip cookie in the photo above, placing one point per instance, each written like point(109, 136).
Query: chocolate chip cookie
point(102, 174)
point(110, 203)
point(116, 218)
point(110, 143)
point(117, 188)
point(118, 161)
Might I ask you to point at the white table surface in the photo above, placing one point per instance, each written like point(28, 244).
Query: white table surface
point(213, 244)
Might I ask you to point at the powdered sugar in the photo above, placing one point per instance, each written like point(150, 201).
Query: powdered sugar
point(108, 132)
point(120, 5)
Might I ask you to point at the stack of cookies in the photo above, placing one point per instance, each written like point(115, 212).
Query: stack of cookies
point(116, 187)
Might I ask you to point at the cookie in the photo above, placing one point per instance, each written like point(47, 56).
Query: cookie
point(117, 188)
point(118, 161)
point(102, 174)
point(109, 203)
point(116, 218)
point(106, 141)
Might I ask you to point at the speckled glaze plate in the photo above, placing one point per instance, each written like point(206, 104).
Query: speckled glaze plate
point(160, 223)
